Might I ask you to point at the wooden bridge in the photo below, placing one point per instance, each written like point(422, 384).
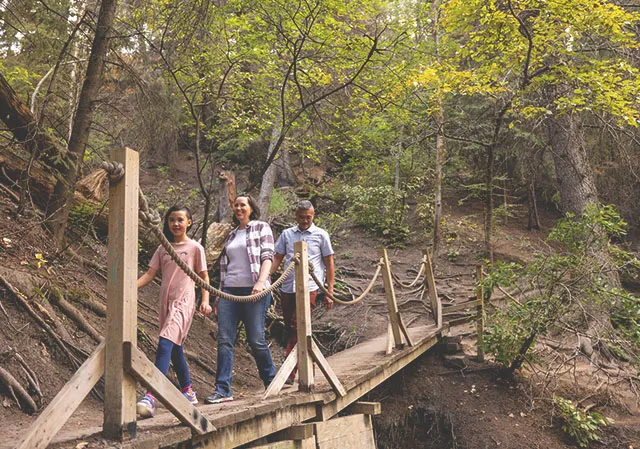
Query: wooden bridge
point(304, 416)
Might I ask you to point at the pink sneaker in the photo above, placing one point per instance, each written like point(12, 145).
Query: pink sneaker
point(190, 395)
point(146, 407)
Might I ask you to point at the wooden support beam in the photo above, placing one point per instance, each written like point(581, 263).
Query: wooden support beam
point(346, 432)
point(405, 332)
point(480, 311)
point(122, 298)
point(389, 348)
point(432, 291)
point(391, 298)
point(283, 374)
point(303, 318)
point(365, 408)
point(299, 432)
point(326, 369)
point(146, 372)
point(51, 420)
point(463, 306)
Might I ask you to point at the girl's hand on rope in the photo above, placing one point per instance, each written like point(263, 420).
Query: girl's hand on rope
point(205, 308)
point(257, 288)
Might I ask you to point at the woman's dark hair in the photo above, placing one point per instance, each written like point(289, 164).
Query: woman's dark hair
point(255, 210)
point(165, 227)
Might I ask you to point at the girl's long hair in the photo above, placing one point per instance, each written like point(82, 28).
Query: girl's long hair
point(255, 210)
point(165, 227)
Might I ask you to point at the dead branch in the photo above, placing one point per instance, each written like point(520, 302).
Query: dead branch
point(15, 388)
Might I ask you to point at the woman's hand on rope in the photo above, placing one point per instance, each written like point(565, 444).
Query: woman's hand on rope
point(258, 288)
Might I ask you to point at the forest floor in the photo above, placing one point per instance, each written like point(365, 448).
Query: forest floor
point(428, 405)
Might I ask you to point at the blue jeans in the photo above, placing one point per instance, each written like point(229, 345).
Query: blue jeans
point(169, 351)
point(253, 315)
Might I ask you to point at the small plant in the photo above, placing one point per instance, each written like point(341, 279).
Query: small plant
point(582, 426)
point(452, 256)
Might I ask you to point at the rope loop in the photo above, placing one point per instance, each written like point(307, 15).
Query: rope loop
point(340, 301)
point(396, 278)
point(114, 169)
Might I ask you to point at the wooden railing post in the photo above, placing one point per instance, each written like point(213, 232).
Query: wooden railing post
point(480, 311)
point(303, 318)
point(122, 298)
point(432, 291)
point(390, 293)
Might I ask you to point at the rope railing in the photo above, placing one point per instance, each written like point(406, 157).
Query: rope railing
point(152, 219)
point(421, 272)
point(339, 301)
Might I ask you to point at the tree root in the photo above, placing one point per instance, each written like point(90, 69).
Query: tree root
point(76, 316)
point(15, 388)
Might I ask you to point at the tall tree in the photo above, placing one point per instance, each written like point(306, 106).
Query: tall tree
point(64, 189)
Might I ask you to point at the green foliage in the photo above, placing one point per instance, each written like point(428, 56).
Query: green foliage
point(330, 222)
point(568, 280)
point(81, 217)
point(380, 209)
point(583, 426)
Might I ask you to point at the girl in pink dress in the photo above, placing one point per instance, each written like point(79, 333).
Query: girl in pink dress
point(177, 301)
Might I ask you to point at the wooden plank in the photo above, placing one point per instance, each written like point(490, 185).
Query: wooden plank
point(390, 294)
point(169, 395)
point(462, 306)
point(348, 432)
point(432, 291)
point(283, 374)
point(365, 408)
point(480, 311)
point(303, 318)
point(51, 420)
point(326, 369)
point(246, 431)
point(122, 297)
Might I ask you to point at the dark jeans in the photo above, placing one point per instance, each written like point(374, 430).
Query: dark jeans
point(289, 317)
point(168, 352)
point(252, 314)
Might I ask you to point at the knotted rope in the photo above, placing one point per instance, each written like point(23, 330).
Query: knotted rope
point(397, 280)
point(339, 301)
point(152, 219)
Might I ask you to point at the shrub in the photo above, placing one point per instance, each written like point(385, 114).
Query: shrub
point(582, 426)
point(380, 209)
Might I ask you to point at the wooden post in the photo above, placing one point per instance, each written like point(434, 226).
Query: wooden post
point(480, 311)
point(391, 298)
point(122, 298)
point(303, 318)
point(430, 288)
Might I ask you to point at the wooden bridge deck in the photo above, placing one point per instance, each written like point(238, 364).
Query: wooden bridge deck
point(360, 369)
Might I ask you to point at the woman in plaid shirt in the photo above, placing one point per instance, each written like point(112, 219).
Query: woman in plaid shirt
point(244, 270)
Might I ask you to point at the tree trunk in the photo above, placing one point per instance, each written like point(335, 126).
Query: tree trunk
point(63, 191)
point(488, 213)
point(440, 149)
point(23, 125)
point(534, 218)
point(269, 177)
point(576, 181)
point(225, 196)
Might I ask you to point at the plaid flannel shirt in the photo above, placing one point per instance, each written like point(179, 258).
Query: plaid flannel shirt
point(260, 247)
